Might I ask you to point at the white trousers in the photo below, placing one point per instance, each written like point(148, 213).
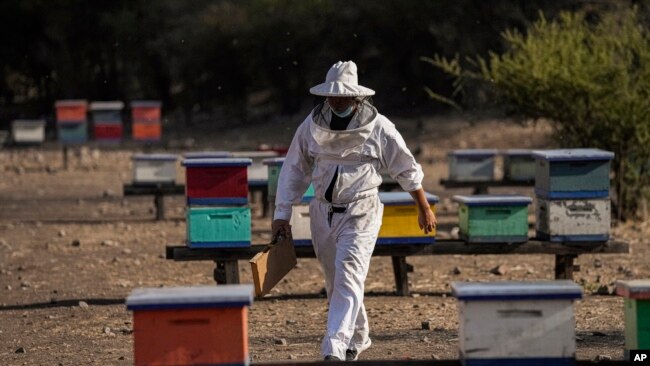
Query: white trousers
point(344, 248)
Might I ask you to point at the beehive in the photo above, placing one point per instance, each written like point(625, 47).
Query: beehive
point(572, 173)
point(400, 219)
point(216, 181)
point(493, 218)
point(203, 325)
point(154, 168)
point(518, 165)
point(471, 165)
point(257, 171)
point(107, 120)
point(71, 111)
point(516, 323)
point(637, 313)
point(573, 220)
point(25, 131)
point(146, 118)
point(218, 227)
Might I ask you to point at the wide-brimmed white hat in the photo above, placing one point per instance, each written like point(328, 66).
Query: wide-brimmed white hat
point(342, 81)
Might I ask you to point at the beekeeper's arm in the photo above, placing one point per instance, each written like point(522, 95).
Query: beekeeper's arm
point(402, 167)
point(293, 181)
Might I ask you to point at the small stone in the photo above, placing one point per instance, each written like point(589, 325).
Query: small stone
point(76, 243)
point(456, 271)
point(603, 358)
point(280, 341)
point(598, 263)
point(126, 251)
point(415, 295)
point(25, 285)
point(293, 357)
point(390, 353)
point(61, 233)
point(121, 358)
point(109, 243)
point(83, 304)
point(435, 357)
point(438, 329)
point(455, 232)
point(8, 287)
point(499, 270)
point(20, 350)
point(107, 193)
point(107, 330)
point(291, 322)
point(425, 339)
point(416, 306)
point(426, 325)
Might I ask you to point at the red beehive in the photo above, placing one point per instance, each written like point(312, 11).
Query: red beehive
point(204, 325)
point(216, 181)
point(108, 132)
point(146, 111)
point(71, 111)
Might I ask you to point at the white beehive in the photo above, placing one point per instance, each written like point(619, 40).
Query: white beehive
point(28, 131)
point(573, 219)
point(154, 168)
point(517, 323)
point(300, 229)
point(257, 172)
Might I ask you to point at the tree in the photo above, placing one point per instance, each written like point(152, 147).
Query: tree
point(589, 74)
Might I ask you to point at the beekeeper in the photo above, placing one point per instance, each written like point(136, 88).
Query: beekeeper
point(340, 148)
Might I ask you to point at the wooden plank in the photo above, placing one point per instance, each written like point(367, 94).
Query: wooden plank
point(447, 183)
point(440, 247)
point(152, 189)
point(400, 270)
point(564, 267)
point(226, 272)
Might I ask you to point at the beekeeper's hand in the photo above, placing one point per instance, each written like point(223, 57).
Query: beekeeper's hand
point(281, 227)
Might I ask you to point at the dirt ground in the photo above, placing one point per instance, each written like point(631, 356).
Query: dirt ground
point(72, 248)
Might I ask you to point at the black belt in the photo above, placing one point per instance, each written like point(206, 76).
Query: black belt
point(332, 211)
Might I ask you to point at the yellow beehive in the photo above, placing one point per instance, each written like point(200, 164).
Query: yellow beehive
point(400, 220)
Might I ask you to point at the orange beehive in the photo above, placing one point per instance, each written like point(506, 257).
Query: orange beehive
point(71, 111)
point(145, 111)
point(146, 131)
point(203, 325)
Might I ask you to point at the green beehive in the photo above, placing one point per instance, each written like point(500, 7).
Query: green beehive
point(493, 218)
point(637, 313)
point(274, 166)
point(218, 227)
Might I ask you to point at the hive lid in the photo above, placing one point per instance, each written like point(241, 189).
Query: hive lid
point(516, 290)
point(70, 103)
point(518, 152)
point(475, 153)
point(635, 289)
point(573, 155)
point(106, 106)
point(146, 104)
point(403, 198)
point(207, 154)
point(197, 163)
point(273, 161)
point(162, 157)
point(190, 297)
point(493, 200)
point(254, 154)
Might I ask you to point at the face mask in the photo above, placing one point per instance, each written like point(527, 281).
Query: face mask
point(345, 113)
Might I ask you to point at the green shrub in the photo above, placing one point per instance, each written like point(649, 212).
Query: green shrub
point(590, 77)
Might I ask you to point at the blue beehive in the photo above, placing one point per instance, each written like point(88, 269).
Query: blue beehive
point(73, 133)
point(572, 173)
point(517, 323)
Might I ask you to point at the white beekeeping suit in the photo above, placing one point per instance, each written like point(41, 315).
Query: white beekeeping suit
point(344, 229)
